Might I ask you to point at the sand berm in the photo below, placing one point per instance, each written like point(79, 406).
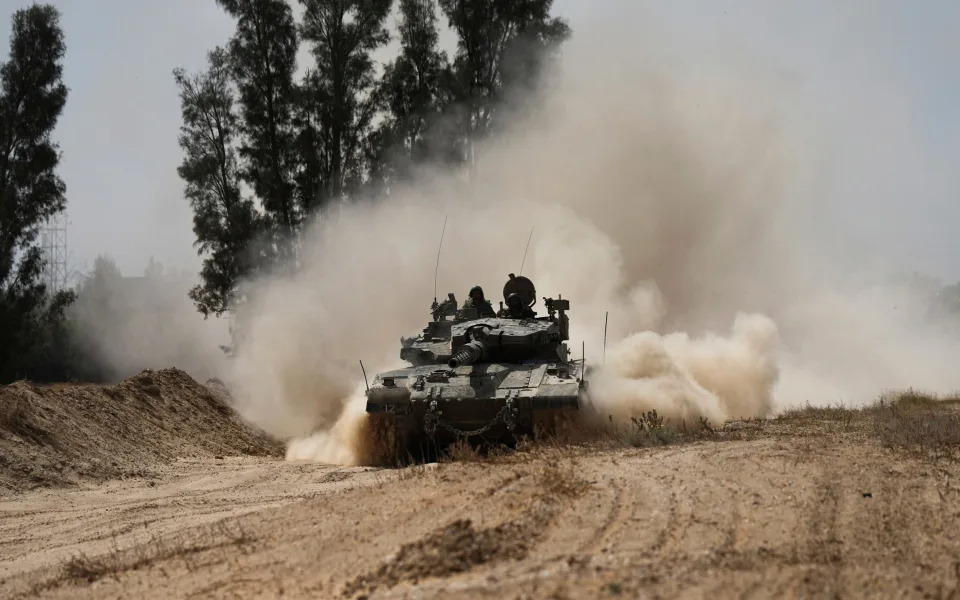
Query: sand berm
point(70, 434)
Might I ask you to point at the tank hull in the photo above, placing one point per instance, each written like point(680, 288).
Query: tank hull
point(415, 412)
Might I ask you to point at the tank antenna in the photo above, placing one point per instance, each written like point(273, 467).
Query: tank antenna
point(606, 316)
point(364, 376)
point(436, 269)
point(525, 250)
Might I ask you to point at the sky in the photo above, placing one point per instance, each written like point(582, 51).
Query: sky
point(875, 79)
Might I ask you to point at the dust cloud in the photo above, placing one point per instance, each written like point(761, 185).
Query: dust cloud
point(685, 378)
point(125, 324)
point(671, 198)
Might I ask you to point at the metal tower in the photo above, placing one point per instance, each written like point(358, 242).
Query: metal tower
point(53, 244)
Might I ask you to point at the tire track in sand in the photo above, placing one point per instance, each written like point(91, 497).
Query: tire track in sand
point(45, 528)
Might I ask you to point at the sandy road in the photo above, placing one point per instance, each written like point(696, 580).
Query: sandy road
point(47, 528)
point(781, 516)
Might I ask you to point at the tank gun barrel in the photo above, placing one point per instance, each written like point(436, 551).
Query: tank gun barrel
point(468, 354)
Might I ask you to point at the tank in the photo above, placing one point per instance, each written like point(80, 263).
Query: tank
point(483, 379)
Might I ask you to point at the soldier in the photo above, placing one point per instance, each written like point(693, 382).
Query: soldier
point(516, 309)
point(447, 308)
point(477, 305)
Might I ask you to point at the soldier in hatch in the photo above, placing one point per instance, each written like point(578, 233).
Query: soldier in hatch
point(515, 308)
point(447, 308)
point(476, 306)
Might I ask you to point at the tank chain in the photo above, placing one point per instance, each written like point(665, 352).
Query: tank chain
point(432, 420)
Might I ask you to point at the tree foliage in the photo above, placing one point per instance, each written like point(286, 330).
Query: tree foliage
point(417, 89)
point(225, 223)
point(341, 35)
point(347, 128)
point(263, 59)
point(32, 97)
point(502, 44)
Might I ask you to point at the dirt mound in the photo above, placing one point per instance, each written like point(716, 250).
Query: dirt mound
point(454, 548)
point(60, 436)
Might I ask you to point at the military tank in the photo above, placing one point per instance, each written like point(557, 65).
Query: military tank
point(480, 378)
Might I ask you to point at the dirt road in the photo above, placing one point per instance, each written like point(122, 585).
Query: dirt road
point(792, 512)
point(47, 528)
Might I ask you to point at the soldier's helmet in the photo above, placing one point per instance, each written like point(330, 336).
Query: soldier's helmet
point(476, 291)
point(514, 300)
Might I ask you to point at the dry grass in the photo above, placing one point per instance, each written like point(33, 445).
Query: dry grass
point(908, 420)
point(838, 413)
point(183, 545)
point(919, 422)
point(555, 481)
point(463, 451)
point(413, 470)
point(649, 429)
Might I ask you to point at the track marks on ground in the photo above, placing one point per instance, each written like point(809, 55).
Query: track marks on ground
point(43, 528)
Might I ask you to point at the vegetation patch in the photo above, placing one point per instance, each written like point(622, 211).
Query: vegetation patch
point(918, 422)
point(650, 429)
point(907, 420)
point(188, 546)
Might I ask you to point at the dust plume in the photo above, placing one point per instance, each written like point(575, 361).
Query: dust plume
point(124, 324)
point(672, 197)
point(685, 378)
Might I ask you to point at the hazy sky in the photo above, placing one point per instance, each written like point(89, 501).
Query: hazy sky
point(877, 77)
